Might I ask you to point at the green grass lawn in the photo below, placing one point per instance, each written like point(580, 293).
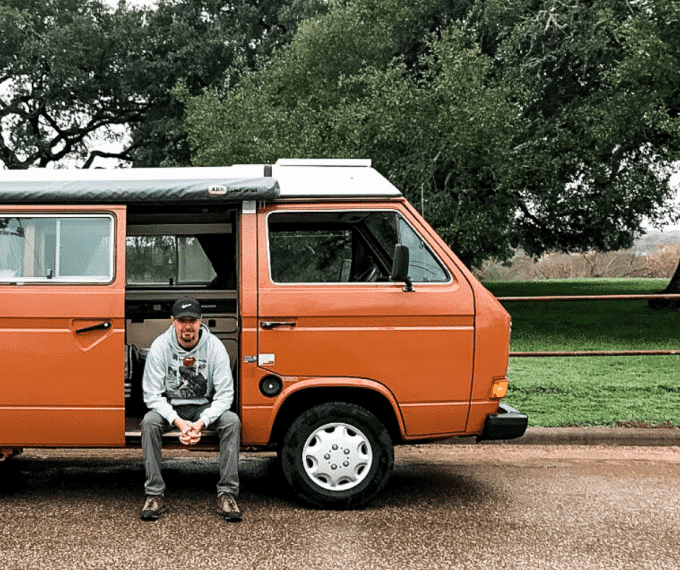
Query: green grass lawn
point(593, 391)
point(597, 391)
point(588, 325)
point(619, 286)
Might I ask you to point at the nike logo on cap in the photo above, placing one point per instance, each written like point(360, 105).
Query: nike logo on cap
point(185, 306)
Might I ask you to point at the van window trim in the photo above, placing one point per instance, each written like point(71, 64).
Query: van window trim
point(70, 280)
point(451, 279)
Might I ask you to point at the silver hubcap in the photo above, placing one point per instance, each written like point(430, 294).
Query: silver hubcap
point(337, 456)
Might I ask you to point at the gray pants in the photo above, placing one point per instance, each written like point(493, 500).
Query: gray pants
point(228, 428)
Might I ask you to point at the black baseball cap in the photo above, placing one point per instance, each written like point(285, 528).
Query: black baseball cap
point(186, 307)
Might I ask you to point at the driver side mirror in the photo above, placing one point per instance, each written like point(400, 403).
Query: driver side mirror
point(400, 266)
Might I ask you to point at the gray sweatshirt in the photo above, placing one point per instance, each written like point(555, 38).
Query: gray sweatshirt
point(174, 376)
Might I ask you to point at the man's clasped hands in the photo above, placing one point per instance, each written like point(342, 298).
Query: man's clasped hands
point(190, 431)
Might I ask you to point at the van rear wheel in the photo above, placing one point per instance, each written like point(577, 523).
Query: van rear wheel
point(337, 455)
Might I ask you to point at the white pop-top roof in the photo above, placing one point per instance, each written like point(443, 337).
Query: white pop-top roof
point(328, 177)
point(296, 178)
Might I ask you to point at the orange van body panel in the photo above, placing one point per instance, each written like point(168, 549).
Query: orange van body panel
point(492, 327)
point(254, 420)
point(62, 427)
point(258, 420)
point(38, 357)
point(492, 339)
point(419, 346)
point(60, 387)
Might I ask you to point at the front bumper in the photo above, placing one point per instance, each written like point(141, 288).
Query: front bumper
point(508, 423)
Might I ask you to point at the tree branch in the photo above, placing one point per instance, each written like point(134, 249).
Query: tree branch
point(123, 155)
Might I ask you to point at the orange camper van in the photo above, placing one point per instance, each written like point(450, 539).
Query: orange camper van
point(350, 325)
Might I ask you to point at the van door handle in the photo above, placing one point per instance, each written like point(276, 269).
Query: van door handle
point(100, 327)
point(272, 324)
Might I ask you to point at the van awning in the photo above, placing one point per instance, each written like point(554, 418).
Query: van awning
point(198, 190)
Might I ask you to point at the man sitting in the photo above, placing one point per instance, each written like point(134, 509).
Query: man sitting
point(188, 383)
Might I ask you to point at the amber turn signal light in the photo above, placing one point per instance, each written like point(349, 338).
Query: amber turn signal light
point(499, 388)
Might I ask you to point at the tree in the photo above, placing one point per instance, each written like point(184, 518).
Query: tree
point(535, 124)
point(62, 78)
point(74, 72)
point(602, 104)
point(388, 80)
point(204, 45)
point(597, 85)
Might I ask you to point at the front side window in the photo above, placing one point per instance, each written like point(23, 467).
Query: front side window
point(345, 247)
point(56, 248)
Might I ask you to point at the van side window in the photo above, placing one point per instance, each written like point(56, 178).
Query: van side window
point(345, 246)
point(423, 267)
point(163, 260)
point(46, 249)
point(174, 255)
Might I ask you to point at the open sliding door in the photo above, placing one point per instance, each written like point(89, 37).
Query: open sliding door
point(62, 326)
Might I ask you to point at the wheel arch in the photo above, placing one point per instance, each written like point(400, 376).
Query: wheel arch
point(372, 400)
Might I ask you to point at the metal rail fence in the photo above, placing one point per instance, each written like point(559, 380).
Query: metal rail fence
point(547, 298)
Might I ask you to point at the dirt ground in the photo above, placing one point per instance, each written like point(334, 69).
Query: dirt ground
point(446, 507)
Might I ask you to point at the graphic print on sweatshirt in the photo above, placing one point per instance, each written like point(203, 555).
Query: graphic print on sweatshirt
point(186, 379)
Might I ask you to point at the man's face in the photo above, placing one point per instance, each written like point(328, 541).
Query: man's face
point(187, 331)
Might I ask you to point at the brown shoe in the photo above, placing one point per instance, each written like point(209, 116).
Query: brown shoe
point(227, 507)
point(153, 507)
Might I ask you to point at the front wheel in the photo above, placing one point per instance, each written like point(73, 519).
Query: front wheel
point(337, 455)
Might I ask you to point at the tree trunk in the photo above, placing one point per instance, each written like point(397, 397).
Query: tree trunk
point(672, 287)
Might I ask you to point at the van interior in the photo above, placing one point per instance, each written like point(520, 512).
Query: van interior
point(173, 253)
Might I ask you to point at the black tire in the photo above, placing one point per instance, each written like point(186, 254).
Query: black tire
point(337, 455)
